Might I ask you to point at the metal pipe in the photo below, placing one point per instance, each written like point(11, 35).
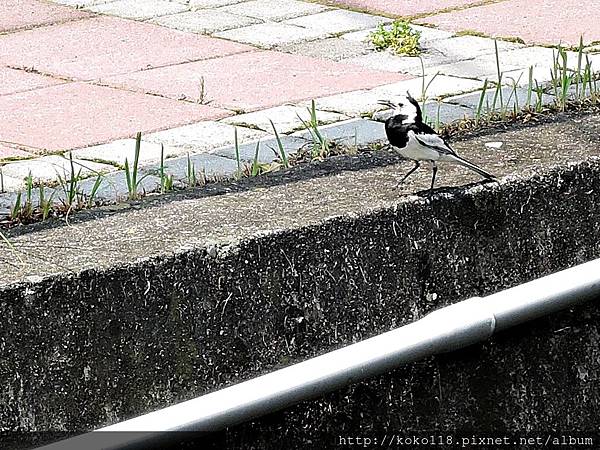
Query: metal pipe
point(446, 329)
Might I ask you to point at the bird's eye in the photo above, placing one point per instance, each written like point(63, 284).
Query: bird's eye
point(400, 105)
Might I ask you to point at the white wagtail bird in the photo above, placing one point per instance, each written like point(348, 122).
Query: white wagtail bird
point(416, 140)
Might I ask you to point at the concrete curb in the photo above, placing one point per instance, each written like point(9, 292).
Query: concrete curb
point(123, 336)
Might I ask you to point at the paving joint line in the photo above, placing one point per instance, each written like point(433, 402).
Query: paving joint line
point(159, 95)
point(188, 61)
point(410, 18)
point(47, 25)
point(42, 73)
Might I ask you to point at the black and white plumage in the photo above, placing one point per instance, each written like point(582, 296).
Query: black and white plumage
point(416, 140)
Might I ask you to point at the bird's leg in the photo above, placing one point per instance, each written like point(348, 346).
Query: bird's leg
point(417, 165)
point(434, 167)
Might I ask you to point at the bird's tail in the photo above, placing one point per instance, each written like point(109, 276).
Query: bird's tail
point(474, 168)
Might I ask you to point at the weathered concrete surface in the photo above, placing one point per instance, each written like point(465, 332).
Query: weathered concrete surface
point(134, 310)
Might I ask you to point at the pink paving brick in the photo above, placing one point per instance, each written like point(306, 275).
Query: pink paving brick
point(534, 21)
point(92, 48)
point(19, 14)
point(403, 7)
point(12, 81)
point(7, 152)
point(76, 115)
point(255, 80)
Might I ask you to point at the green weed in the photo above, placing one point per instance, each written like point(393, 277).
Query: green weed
point(401, 39)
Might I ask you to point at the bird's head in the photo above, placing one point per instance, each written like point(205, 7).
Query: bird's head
point(404, 106)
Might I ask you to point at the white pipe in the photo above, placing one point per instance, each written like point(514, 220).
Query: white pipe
point(446, 329)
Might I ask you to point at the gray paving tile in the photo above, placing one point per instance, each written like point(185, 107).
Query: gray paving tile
point(139, 9)
point(202, 136)
point(389, 62)
point(434, 113)
point(117, 152)
point(594, 49)
point(204, 165)
point(274, 9)
point(353, 132)
point(201, 4)
point(204, 21)
point(10, 184)
point(466, 47)
point(7, 200)
point(113, 187)
point(81, 3)
point(48, 168)
point(354, 104)
point(271, 34)
point(339, 21)
point(481, 68)
point(439, 113)
point(542, 61)
point(268, 149)
point(285, 118)
point(334, 48)
point(435, 86)
point(492, 102)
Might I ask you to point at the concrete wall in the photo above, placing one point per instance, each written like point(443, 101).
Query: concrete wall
point(84, 350)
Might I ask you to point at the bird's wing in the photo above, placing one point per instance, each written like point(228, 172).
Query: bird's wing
point(436, 142)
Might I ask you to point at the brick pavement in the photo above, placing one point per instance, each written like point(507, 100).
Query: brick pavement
point(86, 75)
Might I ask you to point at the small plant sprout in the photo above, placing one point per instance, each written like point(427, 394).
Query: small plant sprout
point(202, 100)
point(238, 172)
point(400, 38)
point(482, 97)
point(579, 61)
point(256, 167)
point(70, 185)
point(566, 79)
point(132, 173)
point(166, 181)
point(282, 154)
point(587, 78)
point(203, 178)
point(529, 86)
point(320, 144)
point(28, 206)
point(425, 88)
point(15, 210)
point(514, 96)
point(562, 77)
point(23, 211)
point(554, 74)
point(438, 124)
point(498, 92)
point(92, 196)
point(539, 92)
point(192, 181)
point(45, 204)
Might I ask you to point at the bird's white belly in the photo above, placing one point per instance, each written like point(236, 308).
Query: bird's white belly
point(416, 151)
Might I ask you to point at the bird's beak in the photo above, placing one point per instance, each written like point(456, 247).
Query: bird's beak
point(386, 103)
